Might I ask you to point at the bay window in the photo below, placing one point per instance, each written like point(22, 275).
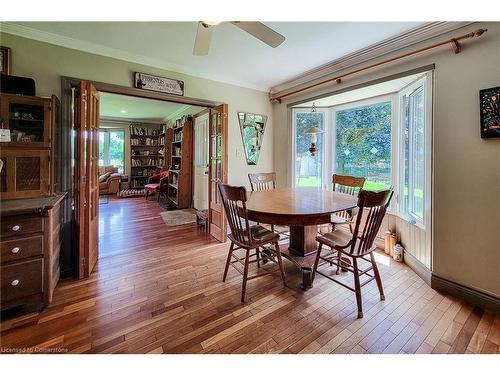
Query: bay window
point(386, 139)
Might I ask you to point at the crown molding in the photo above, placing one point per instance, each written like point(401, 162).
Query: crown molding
point(97, 49)
point(128, 121)
point(177, 113)
point(418, 34)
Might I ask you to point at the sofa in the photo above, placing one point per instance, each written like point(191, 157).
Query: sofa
point(109, 180)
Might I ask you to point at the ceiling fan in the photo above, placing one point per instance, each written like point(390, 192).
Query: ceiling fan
point(256, 29)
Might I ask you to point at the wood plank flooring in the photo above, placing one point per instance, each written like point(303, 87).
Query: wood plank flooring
point(158, 289)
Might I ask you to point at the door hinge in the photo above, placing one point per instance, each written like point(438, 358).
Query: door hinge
point(84, 261)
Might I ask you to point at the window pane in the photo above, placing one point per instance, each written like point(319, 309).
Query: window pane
point(308, 168)
point(117, 149)
point(101, 148)
point(418, 120)
point(363, 144)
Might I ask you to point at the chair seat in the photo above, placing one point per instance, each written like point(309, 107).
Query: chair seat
point(261, 235)
point(152, 187)
point(334, 238)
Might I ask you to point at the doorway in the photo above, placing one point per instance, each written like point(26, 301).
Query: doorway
point(82, 172)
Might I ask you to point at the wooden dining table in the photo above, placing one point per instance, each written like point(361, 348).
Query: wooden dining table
point(301, 209)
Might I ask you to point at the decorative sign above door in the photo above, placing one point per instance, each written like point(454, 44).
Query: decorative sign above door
point(160, 84)
point(252, 133)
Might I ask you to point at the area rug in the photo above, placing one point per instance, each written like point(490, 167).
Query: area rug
point(179, 217)
point(127, 193)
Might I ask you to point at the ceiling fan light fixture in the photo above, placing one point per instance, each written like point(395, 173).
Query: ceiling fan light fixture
point(211, 23)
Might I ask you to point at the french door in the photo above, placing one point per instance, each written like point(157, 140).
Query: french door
point(217, 170)
point(86, 176)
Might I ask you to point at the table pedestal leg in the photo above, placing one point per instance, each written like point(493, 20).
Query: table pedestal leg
point(303, 240)
point(302, 248)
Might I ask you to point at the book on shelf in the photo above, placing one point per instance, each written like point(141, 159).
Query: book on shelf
point(142, 163)
point(143, 142)
point(136, 129)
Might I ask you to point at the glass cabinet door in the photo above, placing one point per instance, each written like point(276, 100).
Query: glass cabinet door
point(28, 120)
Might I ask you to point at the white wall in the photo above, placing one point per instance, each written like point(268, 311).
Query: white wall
point(466, 168)
point(46, 63)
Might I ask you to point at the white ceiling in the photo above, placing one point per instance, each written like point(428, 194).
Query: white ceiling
point(234, 57)
point(140, 109)
point(367, 92)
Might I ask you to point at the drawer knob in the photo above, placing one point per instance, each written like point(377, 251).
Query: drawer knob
point(14, 282)
point(15, 228)
point(15, 250)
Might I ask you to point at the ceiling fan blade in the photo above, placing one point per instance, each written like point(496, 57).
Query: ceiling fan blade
point(261, 32)
point(203, 38)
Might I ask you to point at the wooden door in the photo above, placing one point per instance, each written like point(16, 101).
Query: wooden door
point(217, 170)
point(86, 176)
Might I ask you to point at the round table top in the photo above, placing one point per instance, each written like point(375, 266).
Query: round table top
point(297, 206)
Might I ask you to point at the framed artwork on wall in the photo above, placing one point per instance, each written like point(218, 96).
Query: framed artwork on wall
point(489, 101)
point(5, 60)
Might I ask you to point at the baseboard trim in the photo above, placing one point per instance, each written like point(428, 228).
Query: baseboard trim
point(468, 294)
point(418, 267)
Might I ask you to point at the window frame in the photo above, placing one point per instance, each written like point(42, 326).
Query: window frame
point(326, 145)
point(426, 83)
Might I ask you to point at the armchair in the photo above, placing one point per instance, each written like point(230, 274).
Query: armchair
point(109, 180)
point(157, 183)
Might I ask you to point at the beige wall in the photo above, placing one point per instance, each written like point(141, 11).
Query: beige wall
point(46, 63)
point(466, 202)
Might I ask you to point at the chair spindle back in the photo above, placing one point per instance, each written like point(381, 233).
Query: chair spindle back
point(376, 203)
point(234, 200)
point(262, 181)
point(348, 185)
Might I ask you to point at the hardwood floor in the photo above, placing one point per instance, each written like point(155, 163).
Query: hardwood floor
point(158, 289)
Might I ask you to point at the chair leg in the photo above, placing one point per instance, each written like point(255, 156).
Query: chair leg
point(272, 227)
point(257, 252)
point(228, 261)
point(377, 277)
point(158, 198)
point(146, 195)
point(316, 261)
point(357, 287)
point(339, 258)
point(280, 262)
point(245, 276)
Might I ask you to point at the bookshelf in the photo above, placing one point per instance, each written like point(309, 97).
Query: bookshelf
point(144, 153)
point(181, 163)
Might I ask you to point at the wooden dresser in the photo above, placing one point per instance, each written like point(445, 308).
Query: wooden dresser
point(30, 245)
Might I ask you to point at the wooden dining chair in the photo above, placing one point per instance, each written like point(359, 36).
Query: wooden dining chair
point(262, 182)
point(348, 185)
point(247, 237)
point(357, 245)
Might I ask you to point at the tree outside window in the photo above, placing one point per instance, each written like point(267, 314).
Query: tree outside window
point(363, 144)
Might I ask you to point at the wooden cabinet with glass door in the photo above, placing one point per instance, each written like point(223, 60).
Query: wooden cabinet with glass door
point(29, 159)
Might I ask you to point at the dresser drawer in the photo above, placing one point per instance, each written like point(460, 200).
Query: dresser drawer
point(21, 279)
point(21, 248)
point(21, 225)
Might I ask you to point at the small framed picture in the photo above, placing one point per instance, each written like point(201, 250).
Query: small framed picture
point(5, 59)
point(489, 101)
